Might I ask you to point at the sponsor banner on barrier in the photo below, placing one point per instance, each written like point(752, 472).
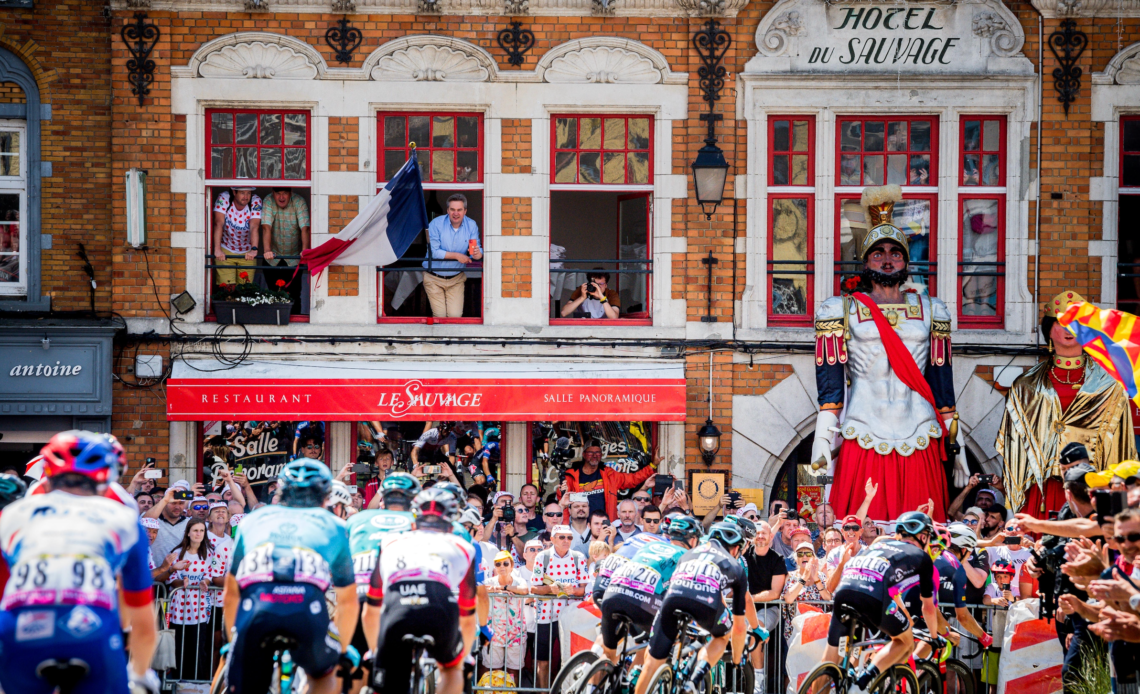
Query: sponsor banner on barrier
point(1031, 655)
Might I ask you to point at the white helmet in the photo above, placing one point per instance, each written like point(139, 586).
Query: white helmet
point(339, 494)
point(962, 536)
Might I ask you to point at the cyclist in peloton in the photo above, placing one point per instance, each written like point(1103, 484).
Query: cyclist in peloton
point(285, 557)
point(697, 588)
point(636, 589)
point(339, 500)
point(365, 531)
point(414, 580)
point(12, 488)
point(67, 549)
point(963, 541)
point(608, 566)
point(872, 585)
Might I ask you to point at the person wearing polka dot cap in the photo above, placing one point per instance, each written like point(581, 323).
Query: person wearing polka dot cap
point(1066, 399)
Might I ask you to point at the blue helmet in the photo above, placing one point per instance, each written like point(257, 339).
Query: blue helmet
point(726, 533)
point(399, 484)
point(682, 528)
point(456, 490)
point(913, 523)
point(491, 434)
point(304, 482)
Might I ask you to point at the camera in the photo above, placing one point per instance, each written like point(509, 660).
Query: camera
point(508, 514)
point(363, 470)
point(793, 514)
point(591, 288)
point(986, 479)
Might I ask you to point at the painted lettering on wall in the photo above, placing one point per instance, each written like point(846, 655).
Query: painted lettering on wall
point(48, 370)
point(898, 36)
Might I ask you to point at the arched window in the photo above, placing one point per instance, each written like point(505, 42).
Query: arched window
point(20, 240)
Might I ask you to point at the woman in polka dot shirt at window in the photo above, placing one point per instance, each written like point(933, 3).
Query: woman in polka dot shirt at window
point(195, 568)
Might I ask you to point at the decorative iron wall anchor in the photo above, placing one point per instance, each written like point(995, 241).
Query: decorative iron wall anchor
point(1067, 44)
point(711, 43)
point(515, 41)
point(344, 39)
point(140, 38)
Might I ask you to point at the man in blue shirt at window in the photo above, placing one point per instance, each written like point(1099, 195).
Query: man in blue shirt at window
point(454, 243)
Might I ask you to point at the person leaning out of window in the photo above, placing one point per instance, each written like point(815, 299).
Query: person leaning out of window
point(594, 297)
point(454, 241)
point(285, 230)
point(237, 219)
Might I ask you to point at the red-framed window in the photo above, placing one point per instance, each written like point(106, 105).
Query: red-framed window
point(265, 145)
point(877, 150)
point(791, 219)
point(881, 150)
point(1130, 152)
point(981, 220)
point(981, 157)
point(916, 214)
point(602, 149)
point(449, 145)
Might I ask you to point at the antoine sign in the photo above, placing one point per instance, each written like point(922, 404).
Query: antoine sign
point(888, 37)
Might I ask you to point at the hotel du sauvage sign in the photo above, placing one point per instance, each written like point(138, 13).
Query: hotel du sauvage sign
point(861, 36)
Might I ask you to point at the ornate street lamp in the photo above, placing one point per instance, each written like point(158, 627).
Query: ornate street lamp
point(710, 170)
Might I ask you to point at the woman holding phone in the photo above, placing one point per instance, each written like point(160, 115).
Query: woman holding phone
point(196, 569)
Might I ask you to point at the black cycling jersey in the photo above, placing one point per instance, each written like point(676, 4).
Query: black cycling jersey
point(889, 568)
point(704, 575)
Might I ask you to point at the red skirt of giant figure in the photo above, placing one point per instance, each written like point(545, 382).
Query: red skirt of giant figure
point(905, 482)
point(1054, 498)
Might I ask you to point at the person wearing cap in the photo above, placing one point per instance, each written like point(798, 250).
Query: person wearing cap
point(806, 581)
point(799, 535)
point(237, 221)
point(893, 430)
point(567, 573)
point(1044, 416)
point(171, 520)
point(601, 483)
point(508, 625)
point(199, 508)
point(1003, 550)
point(836, 559)
point(285, 231)
point(987, 497)
point(222, 545)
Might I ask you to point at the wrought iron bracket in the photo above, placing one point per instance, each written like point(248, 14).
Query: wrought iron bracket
point(1067, 44)
point(710, 260)
point(344, 39)
point(711, 43)
point(140, 38)
point(515, 41)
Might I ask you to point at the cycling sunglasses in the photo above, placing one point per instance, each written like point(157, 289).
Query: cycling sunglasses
point(1130, 537)
point(200, 507)
point(504, 563)
point(805, 554)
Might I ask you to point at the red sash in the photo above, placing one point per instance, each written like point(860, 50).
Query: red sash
point(902, 361)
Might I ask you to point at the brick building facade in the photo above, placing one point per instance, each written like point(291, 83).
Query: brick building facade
point(1037, 193)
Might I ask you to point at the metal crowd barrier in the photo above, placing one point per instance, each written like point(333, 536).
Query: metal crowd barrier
point(513, 651)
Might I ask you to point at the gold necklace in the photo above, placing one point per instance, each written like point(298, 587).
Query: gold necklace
point(1064, 365)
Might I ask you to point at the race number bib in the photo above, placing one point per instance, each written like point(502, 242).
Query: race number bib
point(257, 566)
point(362, 566)
point(67, 580)
point(639, 577)
point(310, 567)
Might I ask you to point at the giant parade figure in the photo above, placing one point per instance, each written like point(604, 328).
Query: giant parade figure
point(1062, 404)
point(885, 381)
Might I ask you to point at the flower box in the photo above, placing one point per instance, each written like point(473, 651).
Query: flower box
point(241, 313)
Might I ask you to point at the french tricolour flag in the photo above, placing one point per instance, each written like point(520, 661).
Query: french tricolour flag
point(383, 230)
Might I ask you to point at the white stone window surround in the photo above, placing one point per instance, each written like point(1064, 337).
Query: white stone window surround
point(949, 98)
point(1115, 93)
point(647, 86)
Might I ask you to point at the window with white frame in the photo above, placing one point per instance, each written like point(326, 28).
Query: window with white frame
point(13, 205)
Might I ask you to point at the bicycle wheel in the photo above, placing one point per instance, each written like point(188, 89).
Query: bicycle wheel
point(929, 677)
point(898, 679)
point(570, 676)
point(734, 679)
point(662, 681)
point(826, 678)
point(959, 678)
point(603, 670)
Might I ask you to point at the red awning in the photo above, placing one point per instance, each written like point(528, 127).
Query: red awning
point(203, 389)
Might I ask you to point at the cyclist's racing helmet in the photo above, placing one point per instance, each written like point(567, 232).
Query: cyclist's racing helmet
point(728, 535)
point(399, 487)
point(435, 508)
point(457, 491)
point(12, 488)
point(914, 523)
point(339, 493)
point(682, 528)
point(304, 482)
point(82, 453)
point(961, 535)
point(747, 527)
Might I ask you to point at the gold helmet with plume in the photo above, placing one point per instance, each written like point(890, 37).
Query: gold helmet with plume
point(879, 204)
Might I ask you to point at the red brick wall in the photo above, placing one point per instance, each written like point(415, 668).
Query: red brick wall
point(343, 279)
point(516, 275)
point(344, 144)
point(516, 146)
